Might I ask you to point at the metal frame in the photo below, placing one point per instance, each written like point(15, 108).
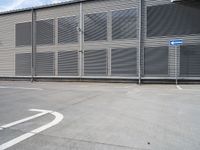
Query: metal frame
point(139, 40)
point(33, 42)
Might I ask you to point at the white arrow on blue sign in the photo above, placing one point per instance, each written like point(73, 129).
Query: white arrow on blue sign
point(176, 42)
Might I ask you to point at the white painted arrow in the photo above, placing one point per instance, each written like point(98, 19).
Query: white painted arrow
point(58, 117)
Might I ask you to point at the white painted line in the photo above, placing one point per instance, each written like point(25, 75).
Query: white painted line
point(179, 87)
point(58, 117)
point(43, 112)
point(20, 88)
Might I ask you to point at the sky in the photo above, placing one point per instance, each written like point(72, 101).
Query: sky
point(6, 5)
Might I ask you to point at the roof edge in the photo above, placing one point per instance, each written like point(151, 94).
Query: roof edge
point(42, 7)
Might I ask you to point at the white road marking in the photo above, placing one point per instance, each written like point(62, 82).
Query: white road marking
point(58, 117)
point(43, 112)
point(179, 87)
point(20, 88)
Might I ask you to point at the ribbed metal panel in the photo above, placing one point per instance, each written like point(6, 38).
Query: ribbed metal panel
point(45, 32)
point(110, 29)
point(124, 62)
point(45, 63)
point(95, 62)
point(172, 19)
point(8, 47)
point(67, 29)
point(107, 5)
point(190, 61)
point(95, 27)
point(124, 24)
point(156, 2)
point(68, 63)
point(23, 64)
point(23, 34)
point(156, 61)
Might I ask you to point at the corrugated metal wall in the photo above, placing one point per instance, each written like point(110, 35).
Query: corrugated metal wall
point(101, 39)
point(164, 21)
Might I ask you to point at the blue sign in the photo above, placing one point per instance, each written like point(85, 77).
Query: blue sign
point(176, 42)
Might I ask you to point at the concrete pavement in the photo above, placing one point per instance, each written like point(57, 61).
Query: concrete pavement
point(103, 116)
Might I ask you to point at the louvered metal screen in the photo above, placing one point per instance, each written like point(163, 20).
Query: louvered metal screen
point(23, 64)
point(23, 34)
point(156, 61)
point(95, 27)
point(124, 62)
point(95, 62)
point(68, 63)
point(45, 32)
point(45, 63)
point(67, 30)
point(190, 61)
point(173, 19)
point(124, 24)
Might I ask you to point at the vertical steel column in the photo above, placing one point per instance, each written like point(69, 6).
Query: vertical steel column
point(177, 66)
point(81, 32)
point(56, 51)
point(109, 36)
point(140, 40)
point(33, 43)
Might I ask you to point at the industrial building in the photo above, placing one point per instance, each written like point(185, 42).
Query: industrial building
point(102, 39)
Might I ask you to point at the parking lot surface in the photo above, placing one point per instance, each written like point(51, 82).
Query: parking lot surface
point(100, 116)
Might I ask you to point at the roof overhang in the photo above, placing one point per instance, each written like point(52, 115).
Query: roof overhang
point(43, 6)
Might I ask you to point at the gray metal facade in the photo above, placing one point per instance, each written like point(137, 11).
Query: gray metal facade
point(116, 39)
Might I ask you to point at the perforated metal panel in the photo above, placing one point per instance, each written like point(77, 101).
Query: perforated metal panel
point(68, 63)
point(95, 62)
point(45, 63)
point(156, 61)
point(45, 32)
point(124, 24)
point(173, 19)
point(67, 30)
point(190, 61)
point(124, 62)
point(23, 64)
point(95, 27)
point(23, 34)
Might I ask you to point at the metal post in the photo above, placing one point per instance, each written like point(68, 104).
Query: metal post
point(176, 64)
point(140, 40)
point(81, 41)
point(33, 43)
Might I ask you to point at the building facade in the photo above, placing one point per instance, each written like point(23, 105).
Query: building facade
point(102, 39)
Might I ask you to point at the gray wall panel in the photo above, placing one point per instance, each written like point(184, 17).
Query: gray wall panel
point(67, 29)
point(23, 34)
point(95, 63)
point(173, 19)
point(156, 61)
point(124, 62)
point(68, 63)
point(45, 64)
point(23, 64)
point(45, 32)
point(124, 24)
point(95, 27)
point(190, 61)
point(8, 44)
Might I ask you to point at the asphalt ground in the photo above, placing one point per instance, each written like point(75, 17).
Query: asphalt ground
point(100, 116)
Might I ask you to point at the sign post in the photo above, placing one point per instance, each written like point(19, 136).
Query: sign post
point(176, 43)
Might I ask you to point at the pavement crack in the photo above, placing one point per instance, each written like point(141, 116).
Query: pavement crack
point(95, 142)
